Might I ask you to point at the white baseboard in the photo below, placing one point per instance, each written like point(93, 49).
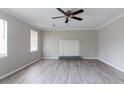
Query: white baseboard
point(18, 69)
point(90, 58)
point(102, 60)
point(49, 57)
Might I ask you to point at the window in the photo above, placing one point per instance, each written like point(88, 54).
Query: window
point(3, 37)
point(34, 41)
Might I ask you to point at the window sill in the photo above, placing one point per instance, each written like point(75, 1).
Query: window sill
point(34, 51)
point(3, 55)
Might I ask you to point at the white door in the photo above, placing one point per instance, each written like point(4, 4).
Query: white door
point(69, 48)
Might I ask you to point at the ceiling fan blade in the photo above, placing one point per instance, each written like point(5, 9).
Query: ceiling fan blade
point(78, 12)
point(77, 18)
point(58, 17)
point(61, 11)
point(66, 21)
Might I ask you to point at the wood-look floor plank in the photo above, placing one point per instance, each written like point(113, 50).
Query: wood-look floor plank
point(66, 72)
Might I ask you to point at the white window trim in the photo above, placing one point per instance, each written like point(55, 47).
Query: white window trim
point(5, 30)
point(32, 50)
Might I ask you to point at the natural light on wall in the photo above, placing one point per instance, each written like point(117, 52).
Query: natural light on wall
point(34, 41)
point(3, 38)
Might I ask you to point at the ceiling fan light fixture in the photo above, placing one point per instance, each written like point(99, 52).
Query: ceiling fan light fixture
point(69, 14)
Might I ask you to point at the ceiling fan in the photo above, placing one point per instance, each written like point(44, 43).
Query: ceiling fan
point(69, 14)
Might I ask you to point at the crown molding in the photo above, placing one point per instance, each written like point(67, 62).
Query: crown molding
point(111, 21)
point(58, 28)
point(64, 28)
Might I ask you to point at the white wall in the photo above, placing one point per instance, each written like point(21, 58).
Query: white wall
point(88, 42)
point(111, 44)
point(18, 45)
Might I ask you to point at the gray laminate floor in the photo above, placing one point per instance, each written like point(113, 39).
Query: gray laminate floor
point(66, 72)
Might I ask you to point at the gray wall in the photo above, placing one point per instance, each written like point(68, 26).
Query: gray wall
point(111, 44)
point(88, 42)
point(108, 42)
point(18, 45)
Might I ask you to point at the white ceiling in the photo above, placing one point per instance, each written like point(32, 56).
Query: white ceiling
point(93, 18)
